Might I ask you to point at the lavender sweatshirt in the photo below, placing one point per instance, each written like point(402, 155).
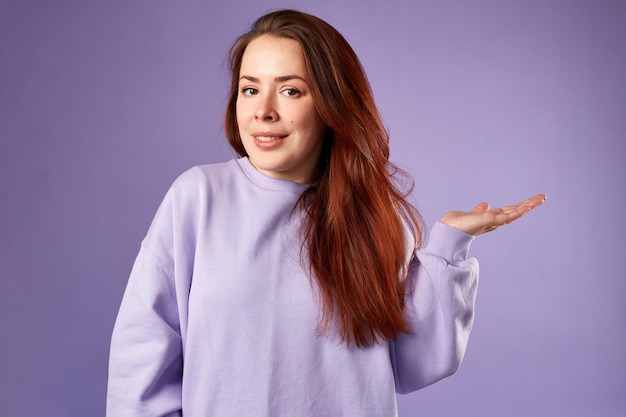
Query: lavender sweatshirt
point(219, 318)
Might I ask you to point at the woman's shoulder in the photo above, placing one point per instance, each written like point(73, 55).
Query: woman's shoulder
point(205, 174)
point(200, 184)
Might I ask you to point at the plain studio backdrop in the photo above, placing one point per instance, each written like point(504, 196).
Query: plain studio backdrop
point(104, 103)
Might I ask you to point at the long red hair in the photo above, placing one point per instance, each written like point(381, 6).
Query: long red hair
point(356, 211)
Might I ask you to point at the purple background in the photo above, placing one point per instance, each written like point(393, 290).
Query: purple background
point(103, 104)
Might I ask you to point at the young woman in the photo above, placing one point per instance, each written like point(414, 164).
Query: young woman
point(292, 281)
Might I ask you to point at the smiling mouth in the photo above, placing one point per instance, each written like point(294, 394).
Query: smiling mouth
point(268, 142)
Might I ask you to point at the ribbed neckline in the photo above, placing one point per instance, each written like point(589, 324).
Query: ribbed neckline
point(270, 183)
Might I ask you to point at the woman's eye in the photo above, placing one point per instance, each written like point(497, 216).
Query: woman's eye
point(291, 92)
point(248, 91)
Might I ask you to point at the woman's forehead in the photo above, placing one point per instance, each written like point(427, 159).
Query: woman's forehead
point(272, 56)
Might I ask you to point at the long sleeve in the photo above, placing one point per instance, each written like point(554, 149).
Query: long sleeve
point(145, 364)
point(440, 310)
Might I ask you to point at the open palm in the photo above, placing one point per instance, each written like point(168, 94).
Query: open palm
point(482, 219)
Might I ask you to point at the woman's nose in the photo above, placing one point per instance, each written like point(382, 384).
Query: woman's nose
point(266, 109)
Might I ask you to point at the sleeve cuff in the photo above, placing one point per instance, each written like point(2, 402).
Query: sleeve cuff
point(448, 243)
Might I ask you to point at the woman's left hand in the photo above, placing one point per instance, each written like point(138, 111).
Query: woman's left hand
point(483, 219)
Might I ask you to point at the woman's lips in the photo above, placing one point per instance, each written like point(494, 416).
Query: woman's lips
point(268, 140)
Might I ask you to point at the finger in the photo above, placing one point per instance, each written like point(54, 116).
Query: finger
point(538, 200)
point(509, 214)
point(534, 201)
point(481, 208)
point(526, 205)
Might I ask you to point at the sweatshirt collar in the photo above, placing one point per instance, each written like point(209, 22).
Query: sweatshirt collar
point(264, 181)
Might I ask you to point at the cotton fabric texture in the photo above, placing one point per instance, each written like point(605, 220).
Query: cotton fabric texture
point(220, 318)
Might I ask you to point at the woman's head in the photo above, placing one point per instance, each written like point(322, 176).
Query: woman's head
point(278, 123)
point(335, 78)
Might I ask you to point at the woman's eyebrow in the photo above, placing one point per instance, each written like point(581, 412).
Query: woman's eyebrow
point(281, 78)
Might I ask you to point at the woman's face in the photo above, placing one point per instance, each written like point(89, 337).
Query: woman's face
point(279, 126)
